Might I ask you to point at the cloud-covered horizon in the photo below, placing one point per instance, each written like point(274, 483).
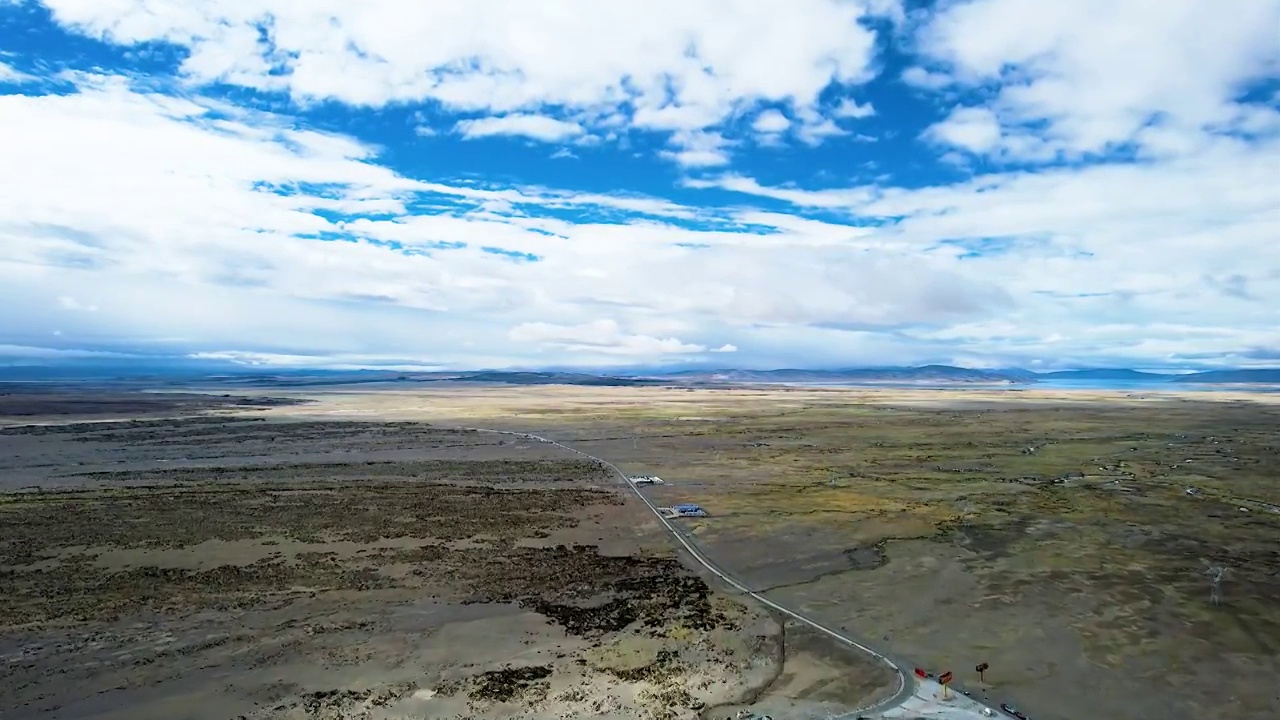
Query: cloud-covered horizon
point(497, 184)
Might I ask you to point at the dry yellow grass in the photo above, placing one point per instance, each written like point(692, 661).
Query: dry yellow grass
point(1047, 531)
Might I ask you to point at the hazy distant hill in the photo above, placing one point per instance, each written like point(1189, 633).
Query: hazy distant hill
point(1106, 374)
point(1261, 376)
point(923, 374)
point(1017, 373)
point(180, 374)
point(548, 378)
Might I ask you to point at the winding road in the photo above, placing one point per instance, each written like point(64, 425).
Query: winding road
point(909, 686)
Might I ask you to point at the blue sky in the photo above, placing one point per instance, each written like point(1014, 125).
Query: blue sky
point(697, 182)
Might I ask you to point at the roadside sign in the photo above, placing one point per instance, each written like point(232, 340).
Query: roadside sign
point(982, 671)
point(945, 677)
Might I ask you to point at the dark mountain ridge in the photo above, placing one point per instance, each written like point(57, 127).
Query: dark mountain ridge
point(1263, 376)
point(1106, 374)
point(922, 374)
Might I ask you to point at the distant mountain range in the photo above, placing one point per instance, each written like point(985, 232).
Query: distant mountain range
point(1263, 376)
point(923, 375)
point(547, 378)
point(1104, 374)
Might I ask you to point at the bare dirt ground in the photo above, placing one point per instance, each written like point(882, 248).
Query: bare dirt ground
point(1061, 537)
point(234, 558)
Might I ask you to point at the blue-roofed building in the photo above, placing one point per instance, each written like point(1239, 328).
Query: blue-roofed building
point(689, 510)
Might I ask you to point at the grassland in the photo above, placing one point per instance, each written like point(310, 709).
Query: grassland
point(1074, 519)
point(1063, 539)
point(237, 567)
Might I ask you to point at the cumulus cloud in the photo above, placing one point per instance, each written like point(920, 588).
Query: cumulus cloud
point(677, 65)
point(815, 133)
point(1095, 72)
point(849, 108)
point(537, 127)
point(601, 336)
point(161, 216)
point(1104, 246)
point(974, 129)
point(222, 226)
point(698, 149)
point(921, 78)
point(770, 121)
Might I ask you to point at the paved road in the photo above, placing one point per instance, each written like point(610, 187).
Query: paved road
point(906, 681)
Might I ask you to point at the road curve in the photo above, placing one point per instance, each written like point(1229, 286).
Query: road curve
point(906, 681)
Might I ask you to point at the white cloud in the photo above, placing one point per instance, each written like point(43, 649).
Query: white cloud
point(683, 66)
point(601, 336)
point(537, 127)
point(840, 198)
point(1083, 248)
point(1095, 72)
point(814, 133)
point(922, 78)
point(31, 352)
point(195, 244)
point(698, 149)
point(333, 362)
point(190, 223)
point(70, 303)
point(974, 129)
point(10, 74)
point(176, 245)
point(850, 109)
point(697, 158)
point(770, 121)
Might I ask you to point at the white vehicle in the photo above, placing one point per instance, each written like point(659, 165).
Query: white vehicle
point(646, 480)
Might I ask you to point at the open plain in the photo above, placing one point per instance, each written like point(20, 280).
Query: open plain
point(1063, 537)
point(213, 558)
point(351, 553)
